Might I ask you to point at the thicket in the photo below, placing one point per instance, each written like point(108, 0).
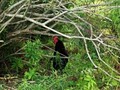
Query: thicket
point(89, 29)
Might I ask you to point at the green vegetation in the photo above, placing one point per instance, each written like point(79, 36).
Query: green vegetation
point(89, 29)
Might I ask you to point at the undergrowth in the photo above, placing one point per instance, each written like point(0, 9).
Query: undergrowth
point(38, 73)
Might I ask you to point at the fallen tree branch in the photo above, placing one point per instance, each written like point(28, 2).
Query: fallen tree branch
point(25, 17)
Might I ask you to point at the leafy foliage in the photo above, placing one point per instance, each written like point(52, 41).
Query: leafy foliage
point(33, 52)
point(79, 73)
point(30, 74)
point(87, 81)
point(17, 64)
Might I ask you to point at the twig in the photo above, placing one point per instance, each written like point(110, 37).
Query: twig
point(1, 41)
point(6, 23)
point(54, 17)
point(99, 57)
